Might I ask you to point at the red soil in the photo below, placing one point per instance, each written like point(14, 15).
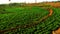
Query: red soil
point(57, 4)
point(51, 11)
point(56, 31)
point(53, 4)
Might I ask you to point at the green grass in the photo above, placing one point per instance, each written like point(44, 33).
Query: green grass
point(24, 15)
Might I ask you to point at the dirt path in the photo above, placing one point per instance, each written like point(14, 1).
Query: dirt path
point(29, 25)
point(56, 31)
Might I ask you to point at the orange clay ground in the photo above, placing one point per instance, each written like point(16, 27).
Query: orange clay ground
point(53, 4)
point(56, 31)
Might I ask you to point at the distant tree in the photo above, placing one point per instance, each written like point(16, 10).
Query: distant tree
point(58, 0)
point(9, 0)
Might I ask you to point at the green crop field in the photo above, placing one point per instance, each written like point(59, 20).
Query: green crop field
point(11, 17)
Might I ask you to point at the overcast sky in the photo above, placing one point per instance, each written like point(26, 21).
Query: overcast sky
point(19, 1)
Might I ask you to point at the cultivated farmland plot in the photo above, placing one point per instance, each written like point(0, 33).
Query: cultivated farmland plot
point(11, 17)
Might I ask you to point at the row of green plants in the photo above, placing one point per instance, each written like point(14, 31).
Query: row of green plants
point(13, 16)
point(20, 16)
point(44, 27)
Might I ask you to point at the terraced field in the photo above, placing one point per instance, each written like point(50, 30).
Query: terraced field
point(19, 16)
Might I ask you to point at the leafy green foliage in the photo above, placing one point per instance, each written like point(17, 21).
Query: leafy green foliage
point(25, 15)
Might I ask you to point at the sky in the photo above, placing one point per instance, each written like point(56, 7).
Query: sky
point(22, 1)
